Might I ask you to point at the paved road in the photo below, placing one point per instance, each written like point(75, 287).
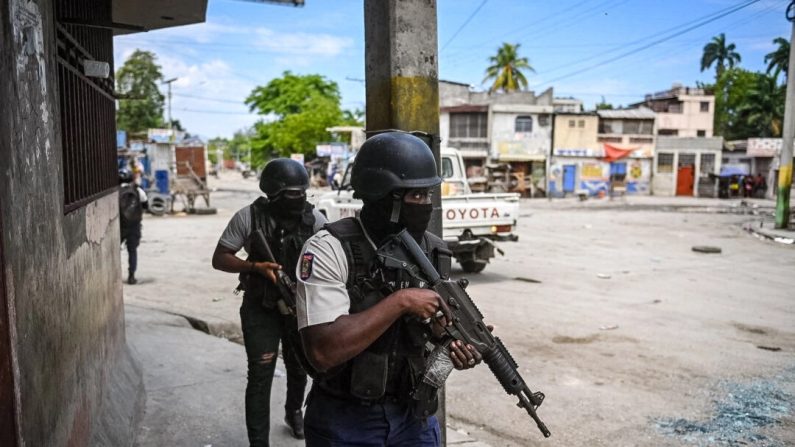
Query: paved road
point(603, 304)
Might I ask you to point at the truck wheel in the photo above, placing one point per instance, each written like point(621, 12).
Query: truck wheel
point(473, 266)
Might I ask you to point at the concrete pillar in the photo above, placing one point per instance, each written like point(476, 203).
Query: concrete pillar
point(402, 72)
point(402, 81)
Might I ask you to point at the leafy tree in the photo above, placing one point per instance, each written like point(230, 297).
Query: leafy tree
point(718, 53)
point(212, 149)
point(353, 117)
point(778, 60)
point(763, 108)
point(298, 109)
point(604, 105)
point(506, 69)
point(142, 106)
point(747, 104)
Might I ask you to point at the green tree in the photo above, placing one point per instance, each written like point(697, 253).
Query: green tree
point(718, 53)
point(506, 69)
point(604, 105)
point(298, 110)
point(778, 60)
point(142, 106)
point(213, 145)
point(353, 117)
point(747, 104)
point(763, 107)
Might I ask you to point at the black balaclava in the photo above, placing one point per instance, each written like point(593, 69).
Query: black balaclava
point(381, 219)
point(288, 207)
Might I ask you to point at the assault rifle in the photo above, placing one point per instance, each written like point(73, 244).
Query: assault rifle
point(285, 284)
point(404, 253)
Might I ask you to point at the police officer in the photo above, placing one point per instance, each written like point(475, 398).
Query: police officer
point(287, 221)
point(132, 203)
point(364, 327)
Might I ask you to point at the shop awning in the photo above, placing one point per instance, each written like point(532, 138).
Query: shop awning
point(613, 153)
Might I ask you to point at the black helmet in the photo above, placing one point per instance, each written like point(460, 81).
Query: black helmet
point(282, 174)
point(125, 175)
point(390, 161)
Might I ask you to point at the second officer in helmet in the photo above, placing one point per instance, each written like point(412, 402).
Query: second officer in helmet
point(287, 221)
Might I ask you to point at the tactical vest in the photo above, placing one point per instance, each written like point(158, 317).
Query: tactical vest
point(393, 365)
point(286, 247)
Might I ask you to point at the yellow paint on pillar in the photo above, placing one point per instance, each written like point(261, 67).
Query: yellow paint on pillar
point(785, 176)
point(415, 103)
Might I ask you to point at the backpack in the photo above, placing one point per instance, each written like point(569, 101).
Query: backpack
point(130, 209)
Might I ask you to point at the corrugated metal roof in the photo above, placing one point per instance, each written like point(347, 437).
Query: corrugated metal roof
point(641, 113)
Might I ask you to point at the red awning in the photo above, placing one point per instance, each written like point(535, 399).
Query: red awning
point(613, 153)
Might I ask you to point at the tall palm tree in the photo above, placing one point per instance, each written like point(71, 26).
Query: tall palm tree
point(718, 53)
point(506, 68)
point(764, 107)
point(778, 60)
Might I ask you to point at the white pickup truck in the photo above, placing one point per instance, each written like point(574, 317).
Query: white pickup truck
point(472, 222)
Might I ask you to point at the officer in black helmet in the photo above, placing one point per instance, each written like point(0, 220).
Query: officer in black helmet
point(365, 327)
point(287, 221)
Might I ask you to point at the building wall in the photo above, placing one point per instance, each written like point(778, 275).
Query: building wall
point(75, 381)
point(664, 183)
point(507, 144)
point(576, 137)
point(593, 174)
point(692, 119)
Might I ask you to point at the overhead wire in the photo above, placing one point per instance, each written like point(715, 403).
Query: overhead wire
point(469, 19)
point(649, 45)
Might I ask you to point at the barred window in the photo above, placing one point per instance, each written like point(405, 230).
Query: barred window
point(87, 105)
point(524, 124)
point(468, 125)
point(707, 164)
point(665, 163)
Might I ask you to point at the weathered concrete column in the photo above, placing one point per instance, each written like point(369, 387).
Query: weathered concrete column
point(785, 166)
point(402, 79)
point(402, 72)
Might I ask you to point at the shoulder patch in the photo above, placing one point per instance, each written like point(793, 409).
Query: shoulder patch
point(306, 265)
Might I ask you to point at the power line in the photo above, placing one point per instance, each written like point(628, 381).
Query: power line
point(649, 45)
point(215, 112)
point(716, 14)
point(205, 98)
point(471, 16)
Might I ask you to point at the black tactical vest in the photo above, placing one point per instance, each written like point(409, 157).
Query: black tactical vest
point(285, 245)
point(393, 365)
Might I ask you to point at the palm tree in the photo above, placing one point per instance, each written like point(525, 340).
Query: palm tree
point(778, 60)
point(764, 107)
point(506, 69)
point(717, 52)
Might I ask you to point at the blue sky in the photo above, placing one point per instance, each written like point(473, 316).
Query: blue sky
point(570, 43)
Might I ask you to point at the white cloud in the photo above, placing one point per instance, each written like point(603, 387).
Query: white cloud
point(211, 78)
point(302, 43)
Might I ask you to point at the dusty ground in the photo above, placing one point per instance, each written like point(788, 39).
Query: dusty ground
point(634, 338)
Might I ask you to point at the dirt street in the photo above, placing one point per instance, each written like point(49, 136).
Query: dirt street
point(634, 338)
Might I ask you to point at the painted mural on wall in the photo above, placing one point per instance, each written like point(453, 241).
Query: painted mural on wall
point(592, 175)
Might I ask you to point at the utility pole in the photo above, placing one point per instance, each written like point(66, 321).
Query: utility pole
point(170, 122)
point(402, 82)
point(785, 163)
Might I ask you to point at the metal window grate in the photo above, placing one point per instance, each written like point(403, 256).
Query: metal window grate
point(87, 105)
point(665, 163)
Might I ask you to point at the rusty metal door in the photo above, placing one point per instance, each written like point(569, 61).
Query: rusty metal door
point(684, 181)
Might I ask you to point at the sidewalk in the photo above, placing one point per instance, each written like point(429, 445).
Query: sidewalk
point(195, 385)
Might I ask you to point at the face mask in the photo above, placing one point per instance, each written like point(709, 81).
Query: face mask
point(415, 217)
point(289, 206)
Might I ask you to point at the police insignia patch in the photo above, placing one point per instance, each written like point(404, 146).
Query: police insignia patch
point(306, 265)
